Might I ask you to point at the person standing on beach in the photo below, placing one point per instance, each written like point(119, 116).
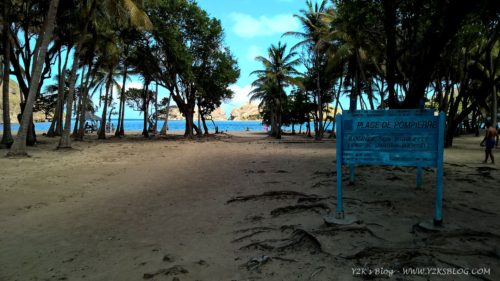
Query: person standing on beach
point(490, 141)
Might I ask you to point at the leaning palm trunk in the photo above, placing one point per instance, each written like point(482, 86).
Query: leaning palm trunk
point(56, 126)
point(337, 102)
point(7, 132)
point(119, 127)
point(58, 118)
point(65, 141)
point(122, 127)
point(494, 98)
point(102, 130)
point(319, 133)
point(120, 108)
point(164, 128)
point(78, 111)
point(83, 113)
point(79, 105)
point(19, 146)
point(145, 132)
point(155, 126)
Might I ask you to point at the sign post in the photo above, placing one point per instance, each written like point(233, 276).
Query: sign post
point(409, 138)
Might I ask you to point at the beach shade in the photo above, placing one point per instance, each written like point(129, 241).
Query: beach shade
point(91, 117)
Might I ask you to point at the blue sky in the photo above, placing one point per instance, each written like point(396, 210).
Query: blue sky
point(250, 27)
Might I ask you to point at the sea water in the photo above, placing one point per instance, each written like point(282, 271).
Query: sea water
point(179, 126)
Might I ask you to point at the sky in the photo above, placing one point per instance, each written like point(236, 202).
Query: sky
point(250, 27)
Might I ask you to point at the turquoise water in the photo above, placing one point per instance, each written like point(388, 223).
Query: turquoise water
point(177, 125)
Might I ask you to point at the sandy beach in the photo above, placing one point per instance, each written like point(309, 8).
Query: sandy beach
point(237, 207)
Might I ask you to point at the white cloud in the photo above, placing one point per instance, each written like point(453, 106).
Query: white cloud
point(136, 85)
point(253, 52)
point(240, 95)
point(248, 26)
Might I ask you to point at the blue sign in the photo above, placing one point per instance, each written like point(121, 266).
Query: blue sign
point(411, 138)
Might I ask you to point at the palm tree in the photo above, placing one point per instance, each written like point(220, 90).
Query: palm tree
point(19, 146)
point(144, 62)
point(265, 90)
point(351, 51)
point(62, 89)
point(278, 72)
point(315, 22)
point(7, 133)
point(121, 11)
point(110, 57)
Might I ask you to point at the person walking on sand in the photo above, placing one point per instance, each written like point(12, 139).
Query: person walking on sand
point(490, 141)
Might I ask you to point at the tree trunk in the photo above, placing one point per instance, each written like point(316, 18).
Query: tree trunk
point(494, 96)
point(155, 126)
point(308, 130)
point(278, 129)
point(102, 129)
point(390, 31)
point(164, 128)
point(19, 146)
point(370, 96)
point(337, 102)
point(122, 126)
point(65, 141)
point(273, 124)
point(7, 139)
point(189, 123)
point(353, 99)
point(119, 127)
point(77, 116)
point(85, 92)
point(319, 132)
point(120, 108)
point(56, 124)
point(199, 118)
point(198, 132)
point(205, 127)
point(62, 97)
point(145, 132)
point(78, 105)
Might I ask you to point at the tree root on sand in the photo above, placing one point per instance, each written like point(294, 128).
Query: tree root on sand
point(347, 228)
point(262, 228)
point(248, 236)
point(258, 262)
point(271, 195)
point(298, 239)
point(299, 208)
point(387, 203)
point(175, 270)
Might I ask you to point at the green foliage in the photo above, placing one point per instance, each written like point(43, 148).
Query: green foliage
point(138, 99)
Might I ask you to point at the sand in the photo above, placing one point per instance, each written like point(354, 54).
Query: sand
point(172, 209)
